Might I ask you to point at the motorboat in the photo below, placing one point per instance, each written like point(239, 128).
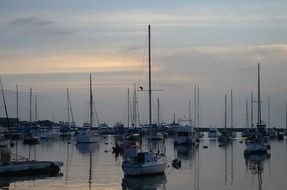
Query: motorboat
point(212, 133)
point(185, 134)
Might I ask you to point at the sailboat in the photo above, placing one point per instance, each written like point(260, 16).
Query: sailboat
point(86, 135)
point(138, 162)
point(16, 166)
point(225, 136)
point(30, 137)
point(3, 141)
point(68, 128)
point(232, 134)
point(258, 143)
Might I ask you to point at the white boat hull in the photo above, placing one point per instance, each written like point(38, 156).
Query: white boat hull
point(144, 169)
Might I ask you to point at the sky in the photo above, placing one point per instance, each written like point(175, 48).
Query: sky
point(51, 45)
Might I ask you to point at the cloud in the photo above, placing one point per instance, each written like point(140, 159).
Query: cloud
point(130, 49)
point(252, 70)
point(37, 26)
point(251, 53)
point(180, 19)
point(31, 22)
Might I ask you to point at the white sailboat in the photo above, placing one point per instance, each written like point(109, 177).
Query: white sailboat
point(258, 144)
point(86, 135)
point(138, 162)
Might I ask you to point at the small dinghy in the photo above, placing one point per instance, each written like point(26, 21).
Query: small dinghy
point(176, 163)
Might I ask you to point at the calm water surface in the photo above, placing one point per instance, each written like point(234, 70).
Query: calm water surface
point(94, 166)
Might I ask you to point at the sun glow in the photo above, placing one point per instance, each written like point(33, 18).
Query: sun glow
point(67, 64)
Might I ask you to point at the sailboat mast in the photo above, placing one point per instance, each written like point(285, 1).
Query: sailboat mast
point(91, 102)
point(128, 107)
point(195, 107)
point(231, 109)
point(198, 119)
point(17, 105)
point(71, 110)
point(138, 114)
point(269, 123)
point(149, 78)
point(30, 116)
point(189, 110)
point(225, 110)
point(259, 99)
point(247, 119)
point(36, 111)
point(68, 107)
point(157, 111)
point(135, 105)
point(173, 117)
point(251, 109)
point(5, 106)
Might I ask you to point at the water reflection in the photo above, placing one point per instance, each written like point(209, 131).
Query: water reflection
point(229, 162)
point(5, 181)
point(90, 171)
point(185, 152)
point(196, 169)
point(88, 166)
point(86, 148)
point(154, 182)
point(255, 164)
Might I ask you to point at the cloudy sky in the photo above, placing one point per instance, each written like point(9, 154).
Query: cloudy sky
point(51, 45)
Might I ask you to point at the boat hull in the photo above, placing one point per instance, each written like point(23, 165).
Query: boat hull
point(144, 169)
point(29, 168)
point(256, 148)
point(86, 137)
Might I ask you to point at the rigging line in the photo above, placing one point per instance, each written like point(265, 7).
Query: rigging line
point(96, 114)
point(5, 106)
point(142, 65)
point(68, 107)
point(17, 105)
point(71, 108)
point(138, 114)
point(157, 71)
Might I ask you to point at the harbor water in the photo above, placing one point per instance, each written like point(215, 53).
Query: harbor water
point(208, 166)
